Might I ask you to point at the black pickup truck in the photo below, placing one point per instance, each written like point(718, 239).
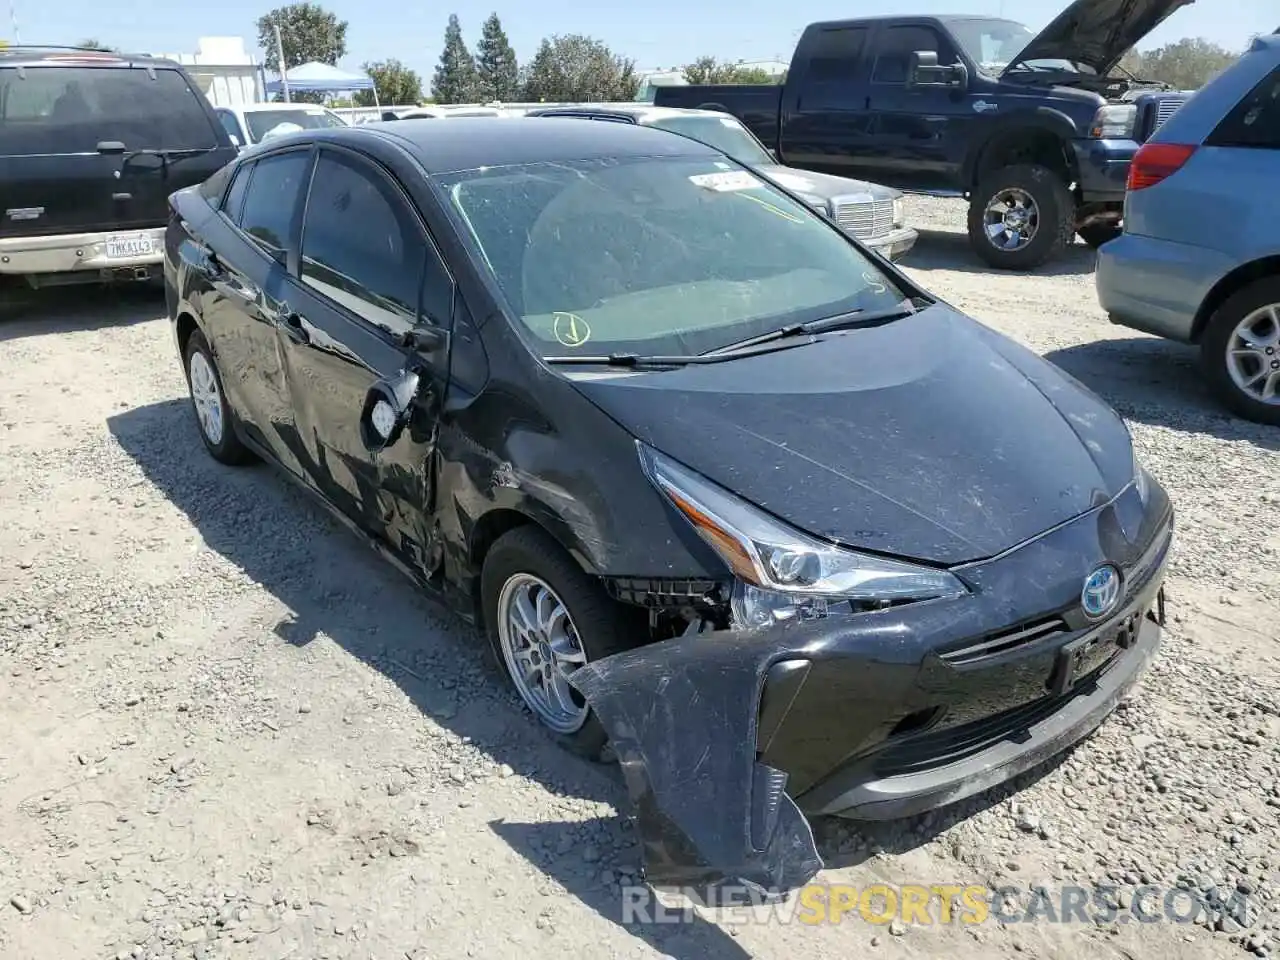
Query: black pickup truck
point(1036, 130)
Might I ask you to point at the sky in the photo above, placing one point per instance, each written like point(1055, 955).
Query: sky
point(655, 33)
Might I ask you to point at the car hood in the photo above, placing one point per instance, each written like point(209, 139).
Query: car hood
point(824, 185)
point(930, 437)
point(1098, 32)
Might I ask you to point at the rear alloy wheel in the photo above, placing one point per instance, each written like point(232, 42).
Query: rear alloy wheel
point(1241, 352)
point(209, 400)
point(1096, 234)
point(1020, 217)
point(545, 619)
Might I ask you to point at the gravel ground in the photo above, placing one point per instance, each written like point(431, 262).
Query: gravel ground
point(230, 731)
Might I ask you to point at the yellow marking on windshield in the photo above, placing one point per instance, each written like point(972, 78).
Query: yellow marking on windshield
point(570, 329)
point(772, 209)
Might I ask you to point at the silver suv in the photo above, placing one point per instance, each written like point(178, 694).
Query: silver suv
point(1199, 259)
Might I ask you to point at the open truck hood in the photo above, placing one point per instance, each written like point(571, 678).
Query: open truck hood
point(1097, 33)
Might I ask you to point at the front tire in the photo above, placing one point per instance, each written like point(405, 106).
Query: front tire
point(1240, 352)
point(209, 401)
point(1020, 217)
point(545, 618)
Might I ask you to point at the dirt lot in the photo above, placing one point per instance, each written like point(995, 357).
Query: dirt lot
point(227, 730)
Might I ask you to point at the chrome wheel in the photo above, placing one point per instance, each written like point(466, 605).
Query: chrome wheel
point(206, 396)
point(541, 648)
point(1253, 354)
point(1011, 219)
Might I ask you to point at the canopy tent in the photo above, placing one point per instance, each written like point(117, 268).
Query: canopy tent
point(322, 78)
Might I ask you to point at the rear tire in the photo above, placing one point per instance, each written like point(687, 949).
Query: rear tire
point(1049, 211)
point(214, 418)
point(1096, 234)
point(527, 566)
point(1256, 306)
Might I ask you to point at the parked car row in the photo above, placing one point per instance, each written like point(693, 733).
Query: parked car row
point(1036, 130)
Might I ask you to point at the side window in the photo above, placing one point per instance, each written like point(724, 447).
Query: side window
point(271, 198)
point(896, 46)
point(837, 55)
point(234, 201)
point(363, 248)
point(1255, 120)
point(231, 125)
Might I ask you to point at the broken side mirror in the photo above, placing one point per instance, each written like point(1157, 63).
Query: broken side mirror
point(388, 407)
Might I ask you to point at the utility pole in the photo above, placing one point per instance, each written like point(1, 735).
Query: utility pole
point(13, 19)
point(284, 78)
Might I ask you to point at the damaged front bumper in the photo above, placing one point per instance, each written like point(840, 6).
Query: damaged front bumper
point(727, 740)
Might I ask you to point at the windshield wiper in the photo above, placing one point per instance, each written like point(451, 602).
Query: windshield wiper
point(638, 361)
point(842, 321)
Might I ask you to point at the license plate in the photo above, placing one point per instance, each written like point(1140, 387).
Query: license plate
point(126, 248)
point(1082, 657)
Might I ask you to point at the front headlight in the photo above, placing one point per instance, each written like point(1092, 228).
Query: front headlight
point(1114, 122)
point(899, 213)
point(783, 572)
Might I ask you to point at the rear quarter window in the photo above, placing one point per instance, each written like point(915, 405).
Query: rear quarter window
point(1255, 120)
point(59, 109)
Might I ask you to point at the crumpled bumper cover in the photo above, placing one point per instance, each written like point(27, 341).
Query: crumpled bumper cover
point(699, 723)
point(681, 717)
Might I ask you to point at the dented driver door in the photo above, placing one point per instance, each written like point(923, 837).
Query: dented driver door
point(364, 262)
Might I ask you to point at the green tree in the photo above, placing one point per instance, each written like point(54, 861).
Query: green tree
point(455, 80)
point(1187, 64)
point(710, 70)
point(575, 68)
point(396, 84)
point(497, 73)
point(92, 44)
point(307, 32)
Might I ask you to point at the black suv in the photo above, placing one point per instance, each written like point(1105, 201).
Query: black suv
point(93, 144)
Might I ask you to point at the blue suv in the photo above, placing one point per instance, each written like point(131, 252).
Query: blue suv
point(1199, 258)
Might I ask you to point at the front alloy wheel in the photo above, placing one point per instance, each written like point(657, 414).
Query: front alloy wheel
point(545, 618)
point(1020, 216)
point(540, 647)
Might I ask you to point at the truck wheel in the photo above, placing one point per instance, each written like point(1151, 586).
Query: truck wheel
point(1096, 234)
point(1020, 217)
point(1240, 352)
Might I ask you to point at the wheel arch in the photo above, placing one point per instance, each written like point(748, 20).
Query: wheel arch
point(492, 524)
point(184, 326)
point(1041, 138)
point(1239, 278)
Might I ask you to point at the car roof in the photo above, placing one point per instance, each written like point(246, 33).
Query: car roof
point(262, 107)
point(466, 143)
point(641, 112)
point(38, 56)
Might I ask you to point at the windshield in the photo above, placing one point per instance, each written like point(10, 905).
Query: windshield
point(262, 121)
point(654, 255)
point(724, 133)
point(994, 44)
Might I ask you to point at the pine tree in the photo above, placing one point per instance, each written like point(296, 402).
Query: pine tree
point(455, 78)
point(497, 72)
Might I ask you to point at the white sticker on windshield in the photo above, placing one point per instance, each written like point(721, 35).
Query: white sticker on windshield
point(724, 182)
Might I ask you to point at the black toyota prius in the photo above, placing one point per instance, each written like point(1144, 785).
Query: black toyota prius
point(725, 491)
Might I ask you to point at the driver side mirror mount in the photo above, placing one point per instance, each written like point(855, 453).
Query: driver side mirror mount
point(388, 407)
point(923, 70)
